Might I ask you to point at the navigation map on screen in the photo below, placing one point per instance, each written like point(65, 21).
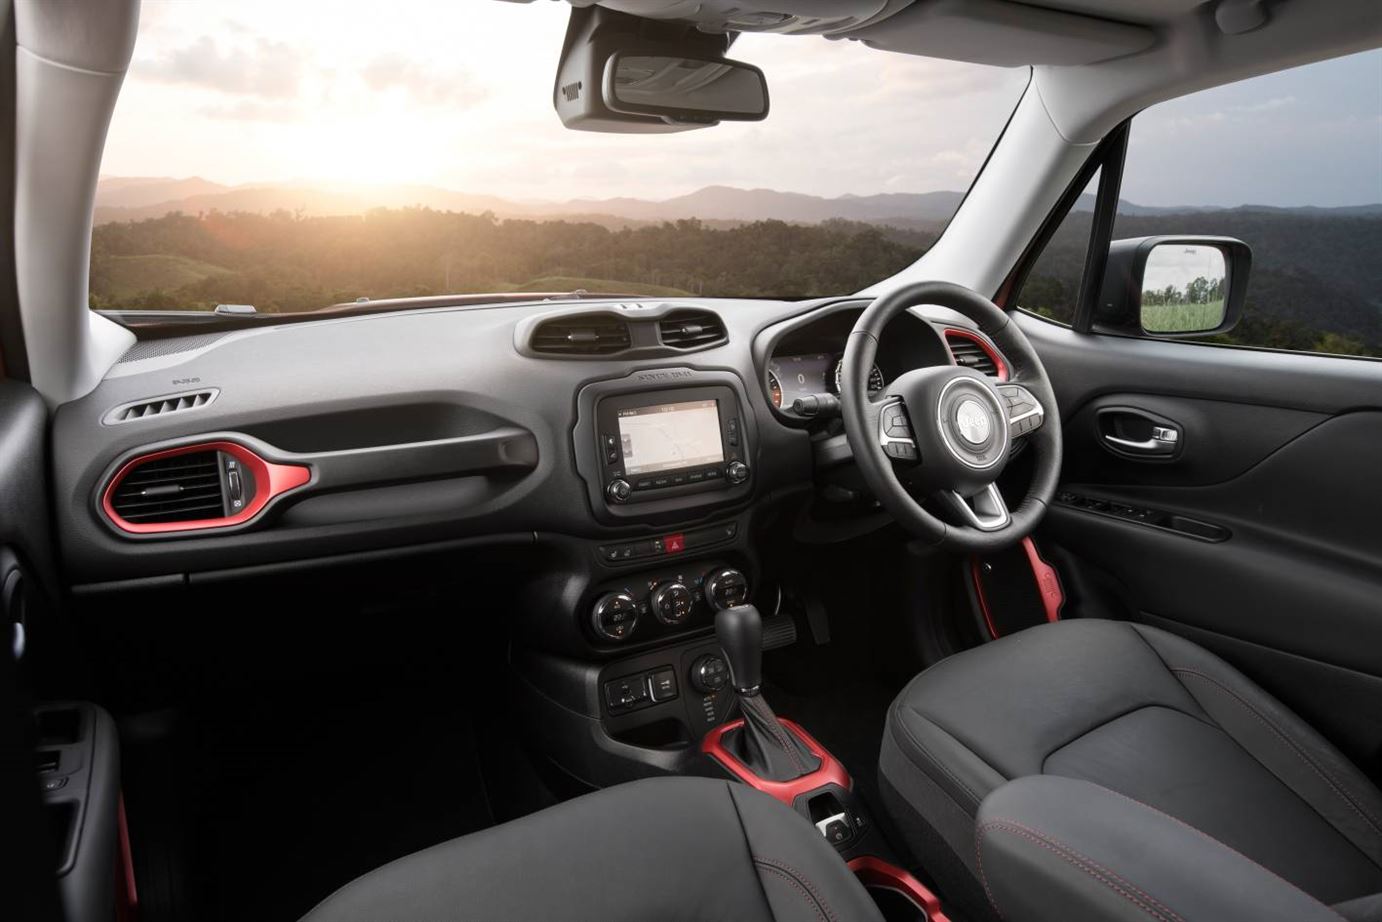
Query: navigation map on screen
point(670, 436)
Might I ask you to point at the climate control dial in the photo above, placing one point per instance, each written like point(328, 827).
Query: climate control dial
point(672, 603)
point(726, 588)
point(614, 616)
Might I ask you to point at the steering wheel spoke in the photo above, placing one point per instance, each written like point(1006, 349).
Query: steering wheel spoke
point(1024, 411)
point(985, 510)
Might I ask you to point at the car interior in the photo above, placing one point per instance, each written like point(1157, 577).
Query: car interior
point(904, 599)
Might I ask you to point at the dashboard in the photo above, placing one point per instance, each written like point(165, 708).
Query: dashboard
point(604, 422)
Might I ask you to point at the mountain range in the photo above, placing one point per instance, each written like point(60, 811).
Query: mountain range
point(121, 198)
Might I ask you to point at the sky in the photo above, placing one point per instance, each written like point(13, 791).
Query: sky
point(457, 93)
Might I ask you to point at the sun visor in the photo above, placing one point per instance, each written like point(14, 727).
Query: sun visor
point(1003, 34)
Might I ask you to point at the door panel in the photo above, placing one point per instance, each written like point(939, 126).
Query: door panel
point(1282, 452)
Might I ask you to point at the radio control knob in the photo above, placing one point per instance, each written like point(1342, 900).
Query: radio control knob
point(672, 603)
point(619, 491)
point(726, 588)
point(737, 472)
point(614, 616)
point(709, 674)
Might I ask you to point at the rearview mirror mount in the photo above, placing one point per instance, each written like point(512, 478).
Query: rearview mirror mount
point(621, 73)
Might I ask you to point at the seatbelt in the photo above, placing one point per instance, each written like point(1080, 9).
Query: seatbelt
point(27, 877)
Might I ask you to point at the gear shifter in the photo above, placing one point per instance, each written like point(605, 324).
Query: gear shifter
point(763, 744)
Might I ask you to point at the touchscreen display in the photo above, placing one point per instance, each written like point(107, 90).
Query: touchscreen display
point(670, 435)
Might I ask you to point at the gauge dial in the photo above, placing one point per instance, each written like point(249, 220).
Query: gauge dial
point(876, 382)
point(774, 390)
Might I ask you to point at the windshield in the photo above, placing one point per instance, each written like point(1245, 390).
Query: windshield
point(294, 156)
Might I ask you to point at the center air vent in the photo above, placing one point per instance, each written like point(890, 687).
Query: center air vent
point(691, 329)
point(587, 334)
point(969, 351)
point(181, 488)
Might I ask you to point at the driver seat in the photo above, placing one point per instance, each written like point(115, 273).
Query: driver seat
point(1148, 715)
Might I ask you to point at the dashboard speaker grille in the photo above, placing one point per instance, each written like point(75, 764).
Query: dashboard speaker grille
point(691, 329)
point(180, 488)
point(591, 334)
point(971, 352)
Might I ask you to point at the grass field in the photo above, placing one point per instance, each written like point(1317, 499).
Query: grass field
point(1182, 318)
point(130, 275)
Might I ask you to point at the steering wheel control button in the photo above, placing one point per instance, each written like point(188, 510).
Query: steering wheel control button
point(1024, 411)
point(895, 433)
point(726, 589)
point(614, 616)
point(709, 674)
point(672, 604)
point(736, 472)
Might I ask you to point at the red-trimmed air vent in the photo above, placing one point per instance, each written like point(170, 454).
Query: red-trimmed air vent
point(193, 487)
point(970, 350)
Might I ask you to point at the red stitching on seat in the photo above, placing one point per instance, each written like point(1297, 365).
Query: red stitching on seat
point(1081, 862)
point(782, 867)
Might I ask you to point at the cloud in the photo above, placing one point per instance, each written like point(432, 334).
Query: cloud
point(251, 110)
point(398, 71)
point(268, 69)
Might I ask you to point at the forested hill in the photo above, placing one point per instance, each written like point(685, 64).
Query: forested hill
point(1315, 272)
point(1316, 281)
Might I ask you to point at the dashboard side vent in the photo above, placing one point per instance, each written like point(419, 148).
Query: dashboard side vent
point(690, 329)
point(180, 488)
point(588, 334)
point(159, 406)
point(970, 351)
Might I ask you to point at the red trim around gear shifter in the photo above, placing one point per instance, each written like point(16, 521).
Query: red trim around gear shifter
point(1047, 580)
point(830, 772)
point(270, 481)
point(1000, 366)
point(877, 873)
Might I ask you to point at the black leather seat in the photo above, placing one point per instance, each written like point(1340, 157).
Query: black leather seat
point(1142, 713)
point(683, 849)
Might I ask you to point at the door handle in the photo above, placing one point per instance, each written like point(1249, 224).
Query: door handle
point(1164, 440)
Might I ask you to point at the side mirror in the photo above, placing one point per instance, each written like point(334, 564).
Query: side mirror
point(1169, 287)
point(621, 73)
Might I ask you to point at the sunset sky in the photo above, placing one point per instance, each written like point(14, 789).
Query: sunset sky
point(458, 94)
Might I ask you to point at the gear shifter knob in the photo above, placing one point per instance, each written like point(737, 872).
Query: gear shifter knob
point(740, 632)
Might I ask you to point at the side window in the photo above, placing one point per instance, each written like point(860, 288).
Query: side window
point(1291, 164)
point(1052, 286)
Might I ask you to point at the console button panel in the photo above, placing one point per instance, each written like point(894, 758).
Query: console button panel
point(670, 544)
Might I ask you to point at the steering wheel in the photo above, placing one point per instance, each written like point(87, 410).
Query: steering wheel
point(945, 432)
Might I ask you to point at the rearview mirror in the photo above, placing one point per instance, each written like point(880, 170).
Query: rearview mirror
point(1170, 287)
point(682, 89)
point(622, 73)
